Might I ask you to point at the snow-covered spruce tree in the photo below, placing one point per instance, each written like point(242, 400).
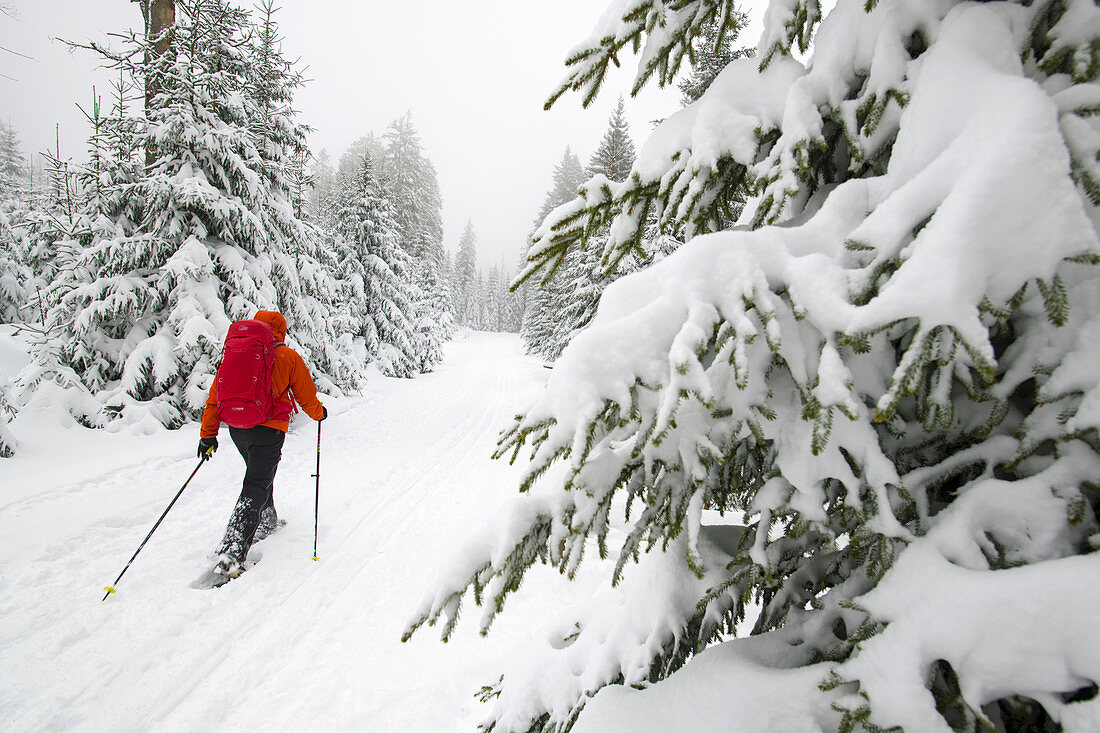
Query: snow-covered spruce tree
point(27, 224)
point(418, 206)
point(514, 304)
point(323, 188)
point(464, 285)
point(82, 206)
point(351, 161)
point(482, 320)
point(156, 288)
point(540, 316)
point(14, 194)
point(54, 233)
point(475, 311)
point(582, 276)
point(305, 287)
point(14, 169)
point(519, 298)
point(14, 273)
point(615, 154)
point(886, 379)
point(495, 304)
point(412, 181)
point(711, 51)
point(378, 295)
point(436, 321)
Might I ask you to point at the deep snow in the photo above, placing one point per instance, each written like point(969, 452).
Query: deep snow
point(293, 644)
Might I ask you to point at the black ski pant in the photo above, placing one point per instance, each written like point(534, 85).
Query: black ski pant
point(261, 447)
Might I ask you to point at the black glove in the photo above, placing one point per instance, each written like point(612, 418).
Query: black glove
point(207, 446)
point(324, 413)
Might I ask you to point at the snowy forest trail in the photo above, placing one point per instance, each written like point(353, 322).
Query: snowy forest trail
point(292, 644)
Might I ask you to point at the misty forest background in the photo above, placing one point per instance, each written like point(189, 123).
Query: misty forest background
point(198, 202)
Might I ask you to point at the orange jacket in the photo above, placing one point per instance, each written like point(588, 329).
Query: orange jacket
point(290, 380)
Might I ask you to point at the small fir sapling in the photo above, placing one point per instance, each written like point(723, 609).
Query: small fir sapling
point(14, 273)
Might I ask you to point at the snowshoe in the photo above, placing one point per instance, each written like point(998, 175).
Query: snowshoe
point(226, 569)
point(230, 567)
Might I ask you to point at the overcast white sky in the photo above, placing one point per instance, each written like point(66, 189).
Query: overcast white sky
point(474, 74)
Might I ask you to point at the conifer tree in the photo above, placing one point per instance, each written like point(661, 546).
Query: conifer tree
point(465, 278)
point(474, 305)
point(16, 278)
point(418, 204)
point(448, 274)
point(378, 296)
point(540, 315)
point(14, 173)
point(517, 301)
point(494, 301)
point(583, 277)
point(323, 190)
point(306, 290)
point(711, 51)
point(350, 164)
point(48, 236)
point(193, 240)
point(485, 301)
point(515, 304)
point(412, 182)
point(79, 206)
point(15, 275)
point(885, 375)
point(615, 155)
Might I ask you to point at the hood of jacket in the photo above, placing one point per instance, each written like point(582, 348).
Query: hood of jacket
point(274, 319)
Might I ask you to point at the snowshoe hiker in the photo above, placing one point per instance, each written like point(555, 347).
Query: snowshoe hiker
point(258, 383)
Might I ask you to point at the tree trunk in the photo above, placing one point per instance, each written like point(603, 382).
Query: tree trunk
point(160, 16)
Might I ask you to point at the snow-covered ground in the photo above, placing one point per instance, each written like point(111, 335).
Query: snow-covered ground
point(293, 644)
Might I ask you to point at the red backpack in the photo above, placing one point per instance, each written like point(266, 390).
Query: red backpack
point(244, 376)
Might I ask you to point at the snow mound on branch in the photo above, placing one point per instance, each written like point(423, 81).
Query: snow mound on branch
point(741, 100)
point(994, 214)
point(754, 684)
point(610, 639)
point(1077, 371)
point(1023, 630)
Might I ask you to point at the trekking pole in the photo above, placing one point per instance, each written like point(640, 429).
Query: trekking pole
point(317, 494)
point(110, 588)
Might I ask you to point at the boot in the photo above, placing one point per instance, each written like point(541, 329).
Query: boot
point(269, 522)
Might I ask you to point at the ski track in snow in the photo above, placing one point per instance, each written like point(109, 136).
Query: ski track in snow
point(292, 644)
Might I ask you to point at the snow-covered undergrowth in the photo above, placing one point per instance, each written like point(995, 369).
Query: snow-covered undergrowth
point(888, 369)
